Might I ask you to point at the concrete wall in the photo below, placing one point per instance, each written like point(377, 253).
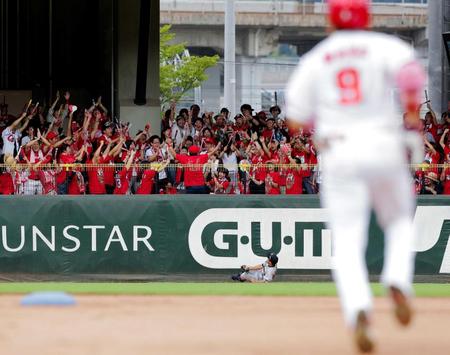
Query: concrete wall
point(128, 49)
point(16, 99)
point(270, 13)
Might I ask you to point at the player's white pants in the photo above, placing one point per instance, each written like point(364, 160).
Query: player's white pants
point(255, 275)
point(349, 194)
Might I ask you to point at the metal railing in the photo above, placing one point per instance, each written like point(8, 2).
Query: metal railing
point(160, 178)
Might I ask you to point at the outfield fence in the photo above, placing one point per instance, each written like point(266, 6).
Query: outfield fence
point(191, 237)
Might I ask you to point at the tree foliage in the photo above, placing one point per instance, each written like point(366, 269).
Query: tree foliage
point(179, 73)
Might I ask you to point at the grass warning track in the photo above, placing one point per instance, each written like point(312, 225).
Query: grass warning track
point(300, 289)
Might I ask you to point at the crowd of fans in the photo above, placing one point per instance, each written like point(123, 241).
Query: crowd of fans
point(433, 178)
point(66, 150)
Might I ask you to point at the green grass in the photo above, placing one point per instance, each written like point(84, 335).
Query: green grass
point(298, 289)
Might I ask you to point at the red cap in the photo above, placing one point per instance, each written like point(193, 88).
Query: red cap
point(194, 149)
point(349, 14)
point(51, 135)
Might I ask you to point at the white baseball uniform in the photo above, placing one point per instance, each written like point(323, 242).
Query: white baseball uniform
point(343, 86)
point(266, 274)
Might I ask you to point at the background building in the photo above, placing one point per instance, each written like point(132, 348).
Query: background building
point(92, 47)
point(271, 35)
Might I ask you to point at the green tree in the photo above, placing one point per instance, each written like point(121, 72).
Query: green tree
point(179, 73)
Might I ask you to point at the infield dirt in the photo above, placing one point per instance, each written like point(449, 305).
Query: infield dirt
point(212, 325)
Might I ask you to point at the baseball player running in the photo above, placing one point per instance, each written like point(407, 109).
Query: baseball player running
point(342, 88)
point(264, 272)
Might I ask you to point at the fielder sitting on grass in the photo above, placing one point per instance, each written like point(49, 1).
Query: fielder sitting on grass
point(258, 273)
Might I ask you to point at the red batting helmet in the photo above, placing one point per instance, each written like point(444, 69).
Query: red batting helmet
point(349, 14)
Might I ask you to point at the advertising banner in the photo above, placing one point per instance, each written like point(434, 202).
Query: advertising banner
point(162, 235)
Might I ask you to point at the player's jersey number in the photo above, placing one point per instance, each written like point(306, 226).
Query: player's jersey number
point(349, 84)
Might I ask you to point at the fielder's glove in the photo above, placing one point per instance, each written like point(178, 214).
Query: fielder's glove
point(245, 268)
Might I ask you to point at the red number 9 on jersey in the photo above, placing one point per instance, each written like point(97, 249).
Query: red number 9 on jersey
point(348, 81)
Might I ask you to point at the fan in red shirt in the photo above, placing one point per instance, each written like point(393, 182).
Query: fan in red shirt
point(207, 134)
point(95, 173)
point(304, 150)
point(123, 177)
point(294, 178)
point(51, 141)
point(284, 154)
point(108, 174)
point(308, 176)
point(194, 181)
point(221, 184)
point(299, 150)
point(268, 133)
point(431, 125)
point(77, 185)
point(48, 181)
point(109, 156)
point(445, 147)
point(107, 133)
point(272, 151)
point(147, 182)
point(272, 180)
point(148, 178)
point(67, 157)
point(432, 155)
point(75, 179)
point(240, 124)
point(257, 172)
point(6, 184)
